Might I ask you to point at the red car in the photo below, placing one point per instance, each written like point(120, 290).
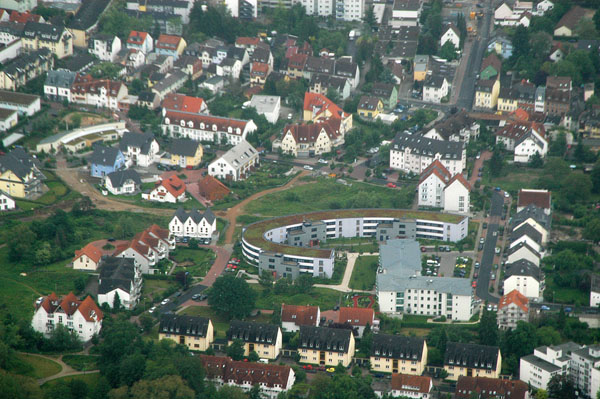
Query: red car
point(474, 285)
point(423, 249)
point(307, 367)
point(391, 185)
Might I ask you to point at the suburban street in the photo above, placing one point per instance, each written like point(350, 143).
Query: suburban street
point(487, 259)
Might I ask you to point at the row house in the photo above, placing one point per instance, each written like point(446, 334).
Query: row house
point(486, 93)
point(28, 66)
point(119, 278)
point(57, 86)
point(512, 308)
point(523, 275)
point(10, 32)
point(473, 360)
point(236, 164)
point(457, 127)
point(206, 127)
point(490, 388)
point(414, 153)
point(104, 47)
point(437, 188)
point(102, 93)
point(83, 317)
point(170, 83)
point(55, 38)
point(193, 224)
point(19, 175)
point(520, 95)
point(148, 248)
point(196, 333)
point(324, 346)
point(308, 140)
point(407, 386)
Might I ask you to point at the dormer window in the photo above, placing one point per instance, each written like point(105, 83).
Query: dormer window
point(182, 123)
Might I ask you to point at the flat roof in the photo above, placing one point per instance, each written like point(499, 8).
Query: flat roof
point(541, 363)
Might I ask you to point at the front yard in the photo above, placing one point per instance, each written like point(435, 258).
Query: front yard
point(364, 273)
point(195, 261)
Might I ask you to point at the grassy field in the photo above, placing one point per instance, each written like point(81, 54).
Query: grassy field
point(220, 323)
point(90, 379)
point(325, 298)
point(569, 296)
point(516, 178)
point(136, 199)
point(153, 289)
point(40, 367)
point(363, 275)
point(325, 194)
point(195, 261)
point(81, 362)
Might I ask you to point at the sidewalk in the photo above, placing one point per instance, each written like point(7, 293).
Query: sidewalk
point(343, 287)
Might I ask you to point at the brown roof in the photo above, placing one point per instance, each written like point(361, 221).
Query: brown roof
point(405, 382)
point(571, 18)
point(210, 185)
point(90, 251)
point(461, 179)
point(437, 169)
point(87, 84)
point(168, 42)
point(368, 103)
point(300, 315)
point(247, 41)
point(239, 373)
point(514, 297)
point(484, 388)
point(539, 198)
point(357, 316)
point(493, 61)
point(558, 82)
point(71, 304)
point(308, 133)
point(181, 102)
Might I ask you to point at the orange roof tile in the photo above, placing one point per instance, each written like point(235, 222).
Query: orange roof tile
point(173, 185)
point(318, 104)
point(90, 251)
point(300, 315)
point(247, 41)
point(514, 297)
point(436, 168)
point(89, 310)
point(71, 304)
point(168, 42)
point(357, 316)
point(403, 382)
point(136, 37)
point(461, 179)
point(181, 102)
point(23, 17)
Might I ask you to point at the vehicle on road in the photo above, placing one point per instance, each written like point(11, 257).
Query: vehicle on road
point(474, 284)
point(498, 189)
point(323, 161)
point(544, 307)
point(480, 247)
point(481, 240)
point(493, 277)
point(485, 225)
point(331, 370)
point(196, 297)
point(308, 167)
point(391, 185)
point(477, 264)
point(165, 301)
point(497, 252)
point(506, 195)
point(152, 309)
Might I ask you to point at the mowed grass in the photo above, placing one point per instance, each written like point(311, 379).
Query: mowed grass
point(324, 194)
point(568, 296)
point(81, 362)
point(363, 275)
point(325, 298)
point(40, 367)
point(516, 178)
point(220, 322)
point(196, 261)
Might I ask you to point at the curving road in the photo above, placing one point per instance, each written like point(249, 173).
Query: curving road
point(487, 259)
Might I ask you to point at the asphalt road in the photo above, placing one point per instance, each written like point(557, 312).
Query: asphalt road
point(174, 301)
point(483, 282)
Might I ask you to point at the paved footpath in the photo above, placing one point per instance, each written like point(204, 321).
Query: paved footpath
point(66, 370)
point(343, 287)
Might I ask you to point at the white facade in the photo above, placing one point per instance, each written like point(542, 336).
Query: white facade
point(135, 156)
point(23, 108)
point(162, 194)
point(528, 240)
point(269, 106)
point(538, 227)
point(583, 362)
point(193, 225)
point(128, 187)
point(431, 191)
point(433, 93)
point(594, 298)
point(84, 262)
point(11, 51)
point(6, 202)
point(408, 161)
point(350, 10)
point(429, 302)
point(523, 253)
point(105, 49)
point(532, 144)
point(234, 69)
point(236, 163)
point(207, 128)
point(543, 7)
point(546, 362)
point(9, 121)
point(451, 36)
point(456, 197)
point(526, 285)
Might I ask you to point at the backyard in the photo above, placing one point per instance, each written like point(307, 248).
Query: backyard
point(363, 275)
point(325, 298)
point(195, 261)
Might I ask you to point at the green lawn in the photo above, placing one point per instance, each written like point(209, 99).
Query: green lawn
point(196, 261)
point(81, 362)
point(136, 199)
point(220, 323)
point(40, 367)
point(325, 298)
point(569, 296)
point(324, 194)
point(363, 275)
point(152, 290)
point(516, 178)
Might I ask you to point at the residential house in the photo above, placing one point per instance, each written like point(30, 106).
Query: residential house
point(410, 386)
point(193, 224)
point(57, 86)
point(321, 84)
point(264, 339)
point(294, 316)
point(105, 47)
point(259, 72)
point(457, 127)
point(420, 67)
point(540, 198)
point(398, 354)
point(263, 55)
point(543, 7)
point(231, 68)
point(21, 70)
point(486, 93)
point(513, 307)
point(185, 153)
point(85, 21)
point(533, 217)
point(369, 107)
point(308, 140)
point(491, 67)
point(387, 92)
point(140, 149)
point(326, 346)
point(268, 106)
point(147, 248)
point(405, 13)
point(19, 175)
point(529, 234)
point(19, 5)
point(490, 388)
point(431, 185)
point(170, 83)
point(105, 160)
point(207, 127)
point(82, 317)
point(123, 182)
point(140, 41)
point(546, 362)
point(558, 102)
point(411, 153)
point(317, 108)
point(197, 333)
point(55, 38)
point(191, 66)
point(8, 119)
point(435, 89)
point(248, 43)
point(10, 50)
point(170, 189)
point(24, 104)
point(295, 65)
point(457, 195)
point(87, 258)
point(472, 360)
point(103, 93)
point(450, 34)
point(540, 99)
point(212, 189)
point(236, 164)
point(524, 276)
point(501, 45)
point(524, 139)
point(594, 289)
point(148, 100)
point(170, 45)
point(519, 95)
point(119, 278)
point(182, 103)
point(6, 202)
point(358, 318)
point(567, 25)
point(556, 53)
point(271, 379)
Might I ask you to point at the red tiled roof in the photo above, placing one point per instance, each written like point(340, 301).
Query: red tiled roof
point(357, 316)
point(208, 121)
point(300, 315)
point(259, 67)
point(514, 297)
point(461, 179)
point(181, 102)
point(173, 185)
point(71, 304)
point(239, 373)
point(438, 169)
point(210, 184)
point(136, 37)
point(405, 382)
point(290, 51)
point(297, 61)
point(318, 104)
point(24, 17)
point(540, 198)
point(521, 114)
point(87, 84)
point(488, 388)
point(308, 133)
point(90, 251)
point(159, 232)
point(247, 41)
point(168, 42)
point(89, 310)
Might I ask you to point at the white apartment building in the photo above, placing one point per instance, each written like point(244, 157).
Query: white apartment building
point(119, 276)
point(193, 224)
point(105, 47)
point(546, 362)
point(595, 291)
point(435, 89)
point(414, 153)
point(207, 127)
point(349, 10)
point(236, 164)
point(452, 35)
point(524, 277)
point(438, 189)
point(406, 13)
point(401, 288)
point(513, 307)
point(583, 361)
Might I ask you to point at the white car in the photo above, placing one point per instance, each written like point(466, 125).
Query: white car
point(165, 301)
point(506, 195)
point(324, 161)
point(290, 116)
point(308, 167)
point(152, 309)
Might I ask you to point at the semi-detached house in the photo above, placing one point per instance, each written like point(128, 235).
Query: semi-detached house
point(197, 333)
point(193, 224)
point(102, 93)
point(308, 140)
point(148, 248)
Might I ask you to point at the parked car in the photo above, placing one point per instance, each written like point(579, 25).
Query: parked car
point(152, 309)
point(323, 161)
point(493, 277)
point(165, 301)
point(391, 185)
point(196, 297)
point(308, 167)
point(506, 195)
point(497, 251)
point(544, 307)
point(568, 309)
point(477, 264)
point(331, 370)
point(485, 225)
point(474, 284)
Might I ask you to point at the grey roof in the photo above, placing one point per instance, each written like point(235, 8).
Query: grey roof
point(116, 272)
point(527, 230)
point(184, 325)
point(345, 67)
point(586, 352)
point(195, 214)
point(534, 212)
point(186, 147)
point(424, 146)
point(239, 155)
point(471, 355)
point(228, 62)
point(237, 53)
point(46, 32)
point(407, 5)
point(319, 64)
point(12, 97)
point(434, 81)
point(13, 28)
point(384, 90)
point(60, 78)
point(328, 81)
point(143, 141)
point(24, 63)
point(400, 262)
point(261, 55)
point(262, 333)
point(521, 245)
point(104, 155)
point(6, 113)
point(18, 162)
point(523, 267)
point(167, 82)
point(120, 177)
point(541, 363)
point(397, 346)
point(88, 14)
point(264, 104)
point(80, 62)
point(147, 96)
point(324, 338)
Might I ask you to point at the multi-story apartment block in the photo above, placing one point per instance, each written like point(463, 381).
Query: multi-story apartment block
point(264, 339)
point(546, 362)
point(17, 72)
point(398, 354)
point(55, 38)
point(414, 153)
point(472, 360)
point(119, 277)
point(197, 333)
point(326, 346)
point(207, 127)
point(513, 307)
point(583, 362)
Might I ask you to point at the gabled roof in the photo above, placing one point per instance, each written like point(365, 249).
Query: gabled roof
point(196, 216)
point(356, 316)
point(70, 304)
point(297, 61)
point(523, 267)
point(191, 326)
point(211, 184)
point(244, 373)
point(23, 17)
point(493, 61)
point(259, 68)
point(318, 104)
point(368, 103)
point(539, 198)
point(116, 273)
point(437, 169)
point(106, 156)
point(201, 121)
point(137, 38)
point(526, 230)
point(261, 55)
point(300, 315)
point(168, 42)
point(397, 347)
point(45, 32)
point(90, 251)
point(571, 18)
point(490, 388)
point(324, 338)
point(120, 177)
point(534, 212)
point(461, 179)
point(18, 162)
point(262, 333)
point(308, 133)
point(412, 383)
point(471, 355)
point(84, 84)
point(453, 28)
point(241, 154)
point(60, 78)
point(430, 147)
point(143, 141)
point(516, 298)
point(184, 147)
point(247, 41)
point(88, 14)
point(181, 102)
point(381, 89)
point(173, 185)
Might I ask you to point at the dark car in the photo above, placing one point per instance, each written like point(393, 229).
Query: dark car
point(481, 247)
